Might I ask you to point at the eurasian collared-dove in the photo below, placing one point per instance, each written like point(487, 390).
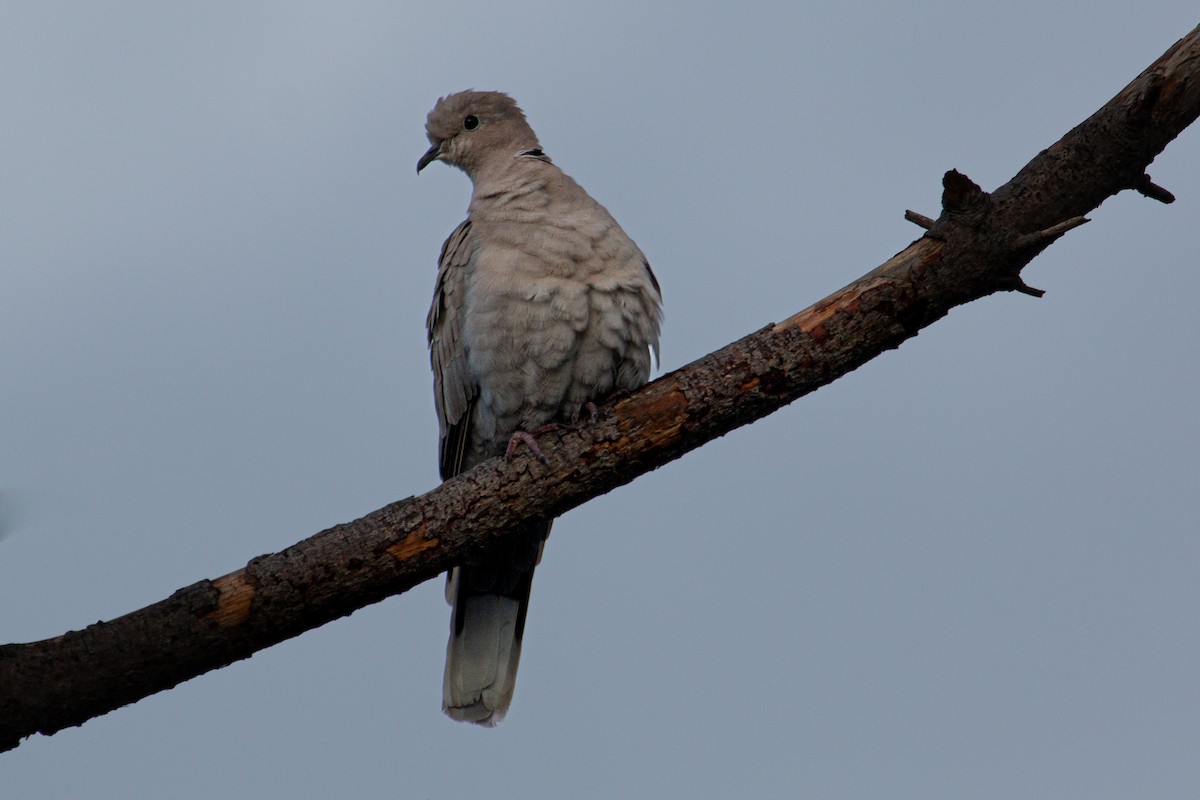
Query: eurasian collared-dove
point(543, 305)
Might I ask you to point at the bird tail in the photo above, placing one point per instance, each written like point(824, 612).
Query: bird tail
point(490, 600)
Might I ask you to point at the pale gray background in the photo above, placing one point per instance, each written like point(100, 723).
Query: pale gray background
point(971, 569)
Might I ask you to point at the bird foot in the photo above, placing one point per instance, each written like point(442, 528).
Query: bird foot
point(526, 438)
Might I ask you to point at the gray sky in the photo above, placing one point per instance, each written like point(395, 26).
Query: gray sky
point(970, 569)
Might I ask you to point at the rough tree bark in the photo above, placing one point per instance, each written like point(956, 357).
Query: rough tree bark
point(978, 246)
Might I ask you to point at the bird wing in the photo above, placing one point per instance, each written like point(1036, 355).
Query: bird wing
point(454, 392)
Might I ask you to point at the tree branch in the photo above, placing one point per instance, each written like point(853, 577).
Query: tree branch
point(978, 246)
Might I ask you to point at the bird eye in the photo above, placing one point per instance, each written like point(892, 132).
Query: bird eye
point(471, 122)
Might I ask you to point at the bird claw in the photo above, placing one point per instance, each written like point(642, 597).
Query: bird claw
point(526, 438)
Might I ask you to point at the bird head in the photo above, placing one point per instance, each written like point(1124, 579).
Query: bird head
point(469, 129)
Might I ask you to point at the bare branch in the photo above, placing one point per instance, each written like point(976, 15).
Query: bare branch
point(978, 246)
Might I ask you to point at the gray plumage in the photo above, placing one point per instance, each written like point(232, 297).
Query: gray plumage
point(543, 305)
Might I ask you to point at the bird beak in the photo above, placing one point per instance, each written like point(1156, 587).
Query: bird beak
point(431, 155)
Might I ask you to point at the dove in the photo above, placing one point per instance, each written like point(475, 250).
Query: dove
point(543, 307)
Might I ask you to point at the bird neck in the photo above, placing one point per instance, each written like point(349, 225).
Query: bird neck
point(513, 172)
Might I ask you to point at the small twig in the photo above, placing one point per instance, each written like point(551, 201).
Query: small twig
point(1025, 288)
point(1044, 237)
point(920, 220)
point(1150, 189)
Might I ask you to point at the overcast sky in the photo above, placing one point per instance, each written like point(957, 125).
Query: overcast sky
point(969, 569)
